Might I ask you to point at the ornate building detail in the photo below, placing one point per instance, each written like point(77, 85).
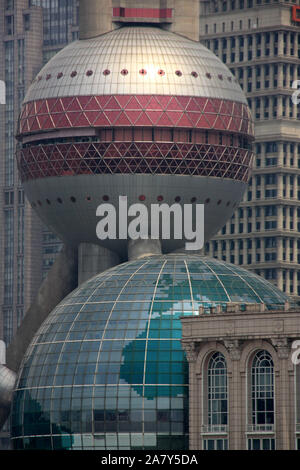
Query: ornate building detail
point(234, 349)
point(191, 351)
point(282, 347)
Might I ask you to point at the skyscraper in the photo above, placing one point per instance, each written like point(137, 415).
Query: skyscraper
point(30, 33)
point(260, 42)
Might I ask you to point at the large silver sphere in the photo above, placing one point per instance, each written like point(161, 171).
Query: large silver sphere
point(138, 112)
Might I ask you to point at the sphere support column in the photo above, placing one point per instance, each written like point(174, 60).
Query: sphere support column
point(94, 259)
point(140, 248)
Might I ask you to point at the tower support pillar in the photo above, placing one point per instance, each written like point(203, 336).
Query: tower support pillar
point(94, 259)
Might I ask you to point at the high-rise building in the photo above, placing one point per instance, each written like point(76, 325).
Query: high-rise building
point(260, 42)
point(30, 33)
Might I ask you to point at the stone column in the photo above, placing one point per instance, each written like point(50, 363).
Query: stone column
point(279, 279)
point(295, 271)
point(295, 189)
point(279, 107)
point(280, 154)
point(262, 78)
point(283, 396)
point(245, 250)
point(195, 400)
point(228, 251)
point(236, 401)
point(280, 43)
point(295, 108)
point(279, 249)
point(236, 251)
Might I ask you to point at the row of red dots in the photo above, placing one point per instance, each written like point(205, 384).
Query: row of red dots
point(142, 197)
point(125, 72)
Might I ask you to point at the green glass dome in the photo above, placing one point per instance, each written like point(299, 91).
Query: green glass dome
point(106, 370)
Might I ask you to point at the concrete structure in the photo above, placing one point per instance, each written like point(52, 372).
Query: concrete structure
point(93, 259)
point(49, 295)
point(259, 41)
point(257, 414)
point(97, 17)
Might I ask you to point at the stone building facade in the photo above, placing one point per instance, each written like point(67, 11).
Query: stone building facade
point(243, 378)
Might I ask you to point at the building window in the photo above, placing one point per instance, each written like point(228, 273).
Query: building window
point(9, 25)
point(261, 444)
point(217, 393)
point(262, 392)
point(215, 444)
point(26, 20)
point(7, 325)
point(9, 5)
point(9, 198)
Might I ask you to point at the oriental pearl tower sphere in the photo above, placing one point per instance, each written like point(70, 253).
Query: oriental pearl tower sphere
point(138, 112)
point(152, 115)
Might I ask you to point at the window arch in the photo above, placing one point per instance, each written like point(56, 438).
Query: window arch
point(262, 391)
point(217, 395)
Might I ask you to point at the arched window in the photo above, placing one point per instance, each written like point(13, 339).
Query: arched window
point(262, 391)
point(217, 392)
